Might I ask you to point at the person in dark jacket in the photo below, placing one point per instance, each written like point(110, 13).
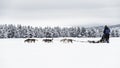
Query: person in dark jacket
point(106, 33)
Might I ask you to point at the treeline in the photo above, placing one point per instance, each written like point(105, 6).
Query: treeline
point(18, 31)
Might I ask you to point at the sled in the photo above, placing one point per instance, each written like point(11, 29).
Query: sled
point(102, 40)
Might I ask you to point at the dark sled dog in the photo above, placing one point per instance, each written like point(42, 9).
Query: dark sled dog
point(48, 40)
point(31, 40)
point(67, 40)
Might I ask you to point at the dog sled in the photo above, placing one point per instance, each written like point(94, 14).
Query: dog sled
point(102, 40)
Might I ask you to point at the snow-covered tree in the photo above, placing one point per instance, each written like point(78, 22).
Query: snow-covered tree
point(12, 31)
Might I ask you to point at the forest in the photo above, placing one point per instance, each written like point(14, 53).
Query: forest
point(19, 31)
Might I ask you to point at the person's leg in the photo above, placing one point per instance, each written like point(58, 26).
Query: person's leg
point(107, 38)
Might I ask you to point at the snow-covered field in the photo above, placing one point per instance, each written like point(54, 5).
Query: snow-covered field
point(14, 53)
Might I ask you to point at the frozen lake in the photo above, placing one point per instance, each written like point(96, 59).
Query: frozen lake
point(14, 53)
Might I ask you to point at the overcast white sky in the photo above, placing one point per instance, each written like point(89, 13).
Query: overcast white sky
point(60, 12)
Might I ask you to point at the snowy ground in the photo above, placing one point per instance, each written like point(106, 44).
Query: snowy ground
point(14, 53)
